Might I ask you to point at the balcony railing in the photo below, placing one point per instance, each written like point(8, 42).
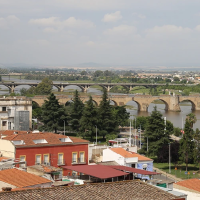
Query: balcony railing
point(78, 161)
point(61, 162)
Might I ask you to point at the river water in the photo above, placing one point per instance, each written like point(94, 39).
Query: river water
point(177, 118)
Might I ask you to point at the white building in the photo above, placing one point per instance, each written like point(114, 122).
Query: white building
point(15, 113)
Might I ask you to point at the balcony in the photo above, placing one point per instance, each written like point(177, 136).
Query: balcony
point(78, 161)
point(46, 163)
point(61, 162)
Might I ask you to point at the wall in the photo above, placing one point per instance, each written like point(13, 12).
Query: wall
point(7, 148)
point(3, 184)
point(53, 151)
point(35, 171)
point(109, 155)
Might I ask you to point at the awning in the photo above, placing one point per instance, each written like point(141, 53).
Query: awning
point(98, 171)
point(134, 170)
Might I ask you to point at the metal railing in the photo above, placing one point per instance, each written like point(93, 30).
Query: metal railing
point(79, 161)
point(61, 162)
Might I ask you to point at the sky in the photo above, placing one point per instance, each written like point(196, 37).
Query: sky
point(111, 32)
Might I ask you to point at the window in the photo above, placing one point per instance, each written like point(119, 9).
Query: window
point(22, 158)
point(82, 156)
point(60, 159)
point(38, 159)
point(74, 157)
point(3, 108)
point(4, 123)
point(46, 159)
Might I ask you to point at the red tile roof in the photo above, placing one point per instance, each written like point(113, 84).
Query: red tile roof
point(122, 152)
point(193, 184)
point(11, 132)
point(21, 178)
point(141, 158)
point(51, 138)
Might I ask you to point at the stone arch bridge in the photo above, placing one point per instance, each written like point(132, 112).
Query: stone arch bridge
point(172, 102)
point(83, 86)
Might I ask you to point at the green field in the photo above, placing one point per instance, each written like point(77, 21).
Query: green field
point(180, 172)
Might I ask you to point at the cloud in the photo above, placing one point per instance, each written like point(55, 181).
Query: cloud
point(112, 17)
point(54, 24)
point(9, 21)
point(121, 30)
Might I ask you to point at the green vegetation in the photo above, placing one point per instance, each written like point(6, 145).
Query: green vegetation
point(180, 172)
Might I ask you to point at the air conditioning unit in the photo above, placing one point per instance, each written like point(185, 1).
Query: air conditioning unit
point(46, 163)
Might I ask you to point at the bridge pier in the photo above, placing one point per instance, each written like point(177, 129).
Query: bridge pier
point(85, 88)
point(174, 104)
point(11, 88)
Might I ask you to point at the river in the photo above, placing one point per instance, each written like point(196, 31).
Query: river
point(177, 118)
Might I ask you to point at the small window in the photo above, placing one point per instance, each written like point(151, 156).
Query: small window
point(22, 158)
point(82, 157)
point(74, 157)
point(4, 123)
point(3, 108)
point(38, 159)
point(60, 159)
point(46, 159)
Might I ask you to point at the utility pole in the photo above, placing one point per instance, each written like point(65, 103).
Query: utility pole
point(96, 134)
point(147, 144)
point(140, 137)
point(130, 135)
point(169, 160)
point(135, 132)
point(64, 127)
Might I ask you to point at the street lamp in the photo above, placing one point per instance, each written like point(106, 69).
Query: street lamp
point(140, 137)
point(96, 134)
point(64, 126)
point(169, 160)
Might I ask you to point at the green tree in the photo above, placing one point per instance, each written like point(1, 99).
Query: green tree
point(156, 133)
point(187, 144)
point(106, 120)
point(76, 112)
point(88, 120)
point(192, 119)
point(45, 87)
point(197, 147)
point(120, 114)
point(52, 115)
point(140, 120)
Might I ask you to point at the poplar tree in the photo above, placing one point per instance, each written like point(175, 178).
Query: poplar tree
point(88, 122)
point(106, 120)
point(186, 143)
point(52, 114)
point(76, 112)
point(197, 147)
point(156, 133)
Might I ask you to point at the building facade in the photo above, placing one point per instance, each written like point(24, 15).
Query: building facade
point(15, 113)
point(45, 148)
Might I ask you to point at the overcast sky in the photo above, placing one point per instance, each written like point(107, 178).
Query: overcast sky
point(115, 32)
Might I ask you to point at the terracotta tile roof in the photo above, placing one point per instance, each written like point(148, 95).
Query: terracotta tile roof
point(126, 190)
point(21, 178)
point(192, 184)
point(3, 158)
point(141, 158)
point(123, 152)
point(11, 132)
point(51, 138)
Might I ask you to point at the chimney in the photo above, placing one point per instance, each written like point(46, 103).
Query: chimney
point(6, 189)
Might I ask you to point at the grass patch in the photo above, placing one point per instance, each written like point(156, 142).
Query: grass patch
point(180, 172)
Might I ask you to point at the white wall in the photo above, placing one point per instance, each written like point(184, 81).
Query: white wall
point(191, 195)
point(7, 148)
point(109, 155)
point(3, 184)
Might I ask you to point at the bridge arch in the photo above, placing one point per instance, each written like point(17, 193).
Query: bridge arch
point(193, 106)
point(94, 102)
point(113, 102)
point(132, 102)
point(157, 101)
point(69, 102)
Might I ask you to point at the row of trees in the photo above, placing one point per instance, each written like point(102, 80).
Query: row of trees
point(80, 118)
point(158, 136)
